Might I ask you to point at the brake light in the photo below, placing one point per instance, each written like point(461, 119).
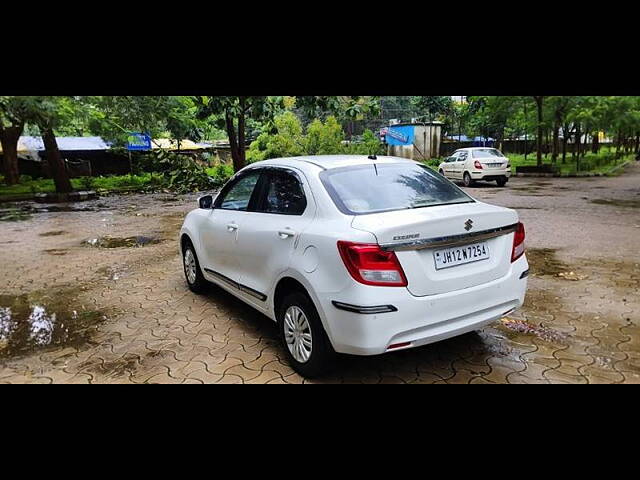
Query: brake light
point(369, 264)
point(518, 243)
point(477, 164)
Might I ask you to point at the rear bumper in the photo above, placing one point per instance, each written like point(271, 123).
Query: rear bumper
point(418, 320)
point(490, 174)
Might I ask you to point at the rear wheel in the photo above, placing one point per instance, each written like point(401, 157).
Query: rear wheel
point(502, 181)
point(468, 182)
point(306, 344)
point(192, 272)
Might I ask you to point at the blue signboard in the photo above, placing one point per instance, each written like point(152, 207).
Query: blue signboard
point(138, 141)
point(400, 135)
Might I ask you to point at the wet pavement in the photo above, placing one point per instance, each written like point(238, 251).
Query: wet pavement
point(93, 292)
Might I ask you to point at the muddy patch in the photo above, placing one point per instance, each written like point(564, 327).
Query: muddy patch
point(38, 321)
point(54, 233)
point(56, 251)
point(617, 203)
point(544, 262)
point(14, 215)
point(527, 328)
point(121, 242)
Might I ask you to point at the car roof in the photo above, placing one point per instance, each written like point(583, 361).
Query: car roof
point(476, 148)
point(327, 162)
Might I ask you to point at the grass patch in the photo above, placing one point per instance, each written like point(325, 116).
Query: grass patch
point(601, 163)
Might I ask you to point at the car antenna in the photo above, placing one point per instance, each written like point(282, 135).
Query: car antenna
point(373, 157)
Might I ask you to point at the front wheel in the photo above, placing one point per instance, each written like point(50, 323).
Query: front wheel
point(468, 182)
point(306, 344)
point(195, 280)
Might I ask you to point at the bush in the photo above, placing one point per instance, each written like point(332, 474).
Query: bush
point(220, 173)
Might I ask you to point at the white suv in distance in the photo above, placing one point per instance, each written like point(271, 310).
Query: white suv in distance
point(356, 255)
point(479, 163)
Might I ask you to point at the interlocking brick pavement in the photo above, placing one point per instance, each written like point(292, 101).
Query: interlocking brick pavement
point(582, 327)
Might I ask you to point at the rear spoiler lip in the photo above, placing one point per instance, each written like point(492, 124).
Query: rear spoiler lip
point(451, 240)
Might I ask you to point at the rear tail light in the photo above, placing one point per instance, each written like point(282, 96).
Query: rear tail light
point(477, 164)
point(518, 243)
point(369, 264)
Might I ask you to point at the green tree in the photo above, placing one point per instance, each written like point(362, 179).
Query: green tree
point(232, 114)
point(12, 120)
point(433, 107)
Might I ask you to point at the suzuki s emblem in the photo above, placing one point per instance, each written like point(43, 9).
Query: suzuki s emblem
point(468, 225)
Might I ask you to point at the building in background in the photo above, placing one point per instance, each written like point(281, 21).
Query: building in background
point(415, 140)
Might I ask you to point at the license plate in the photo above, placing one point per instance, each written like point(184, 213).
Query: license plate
point(454, 256)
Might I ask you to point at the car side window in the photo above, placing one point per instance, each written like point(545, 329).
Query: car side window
point(284, 194)
point(238, 196)
point(462, 156)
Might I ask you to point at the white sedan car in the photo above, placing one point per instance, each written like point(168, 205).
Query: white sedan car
point(479, 163)
point(357, 255)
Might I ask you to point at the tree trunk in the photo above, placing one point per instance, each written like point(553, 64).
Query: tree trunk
point(595, 146)
point(586, 142)
point(577, 142)
point(233, 142)
point(539, 105)
point(556, 139)
point(56, 164)
point(565, 140)
point(9, 139)
point(637, 151)
point(241, 134)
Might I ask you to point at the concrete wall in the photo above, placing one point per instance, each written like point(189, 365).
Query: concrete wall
point(426, 144)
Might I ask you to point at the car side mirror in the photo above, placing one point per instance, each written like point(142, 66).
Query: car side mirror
point(206, 202)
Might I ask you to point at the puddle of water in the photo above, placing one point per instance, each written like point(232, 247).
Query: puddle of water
point(35, 321)
point(121, 242)
point(114, 273)
point(617, 203)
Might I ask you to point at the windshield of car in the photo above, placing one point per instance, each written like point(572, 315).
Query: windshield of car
point(375, 188)
point(487, 153)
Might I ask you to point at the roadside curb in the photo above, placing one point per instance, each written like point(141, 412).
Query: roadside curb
point(579, 175)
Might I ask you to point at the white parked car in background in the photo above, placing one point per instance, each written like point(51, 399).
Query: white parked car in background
point(356, 255)
point(478, 163)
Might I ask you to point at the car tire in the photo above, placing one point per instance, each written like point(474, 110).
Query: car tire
point(192, 272)
point(502, 182)
point(467, 180)
point(305, 342)
point(441, 172)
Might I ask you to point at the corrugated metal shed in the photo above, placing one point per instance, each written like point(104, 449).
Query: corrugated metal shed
point(66, 144)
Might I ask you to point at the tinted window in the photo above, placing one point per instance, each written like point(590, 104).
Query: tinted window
point(285, 194)
point(462, 156)
point(239, 195)
point(383, 187)
point(487, 153)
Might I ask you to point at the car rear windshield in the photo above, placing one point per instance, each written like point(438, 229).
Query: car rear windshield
point(487, 153)
point(380, 187)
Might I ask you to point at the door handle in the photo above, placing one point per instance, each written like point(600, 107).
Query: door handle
point(232, 227)
point(284, 234)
